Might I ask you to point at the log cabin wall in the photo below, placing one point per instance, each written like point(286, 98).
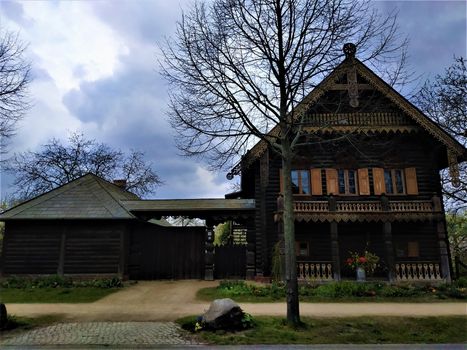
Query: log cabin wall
point(385, 150)
point(79, 247)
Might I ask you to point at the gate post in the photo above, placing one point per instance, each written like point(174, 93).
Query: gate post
point(209, 253)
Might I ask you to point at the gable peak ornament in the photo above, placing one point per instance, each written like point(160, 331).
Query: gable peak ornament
point(349, 50)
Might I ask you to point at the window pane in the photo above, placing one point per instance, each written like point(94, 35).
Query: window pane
point(352, 187)
point(399, 183)
point(303, 249)
point(388, 181)
point(341, 177)
point(295, 188)
point(305, 182)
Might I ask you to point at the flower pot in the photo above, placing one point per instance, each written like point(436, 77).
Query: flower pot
point(361, 274)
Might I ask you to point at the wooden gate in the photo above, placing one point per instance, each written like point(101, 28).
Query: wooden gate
point(230, 261)
point(158, 252)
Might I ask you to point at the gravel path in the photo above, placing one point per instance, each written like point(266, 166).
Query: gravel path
point(169, 300)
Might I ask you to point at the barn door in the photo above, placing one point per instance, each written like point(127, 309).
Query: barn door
point(167, 253)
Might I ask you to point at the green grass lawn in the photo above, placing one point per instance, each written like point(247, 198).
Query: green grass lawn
point(358, 330)
point(211, 293)
point(16, 323)
point(54, 295)
point(345, 291)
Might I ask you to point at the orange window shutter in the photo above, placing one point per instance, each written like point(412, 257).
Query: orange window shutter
point(363, 182)
point(411, 180)
point(316, 188)
point(378, 181)
point(331, 181)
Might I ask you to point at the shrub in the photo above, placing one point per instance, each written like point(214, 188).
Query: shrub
point(56, 281)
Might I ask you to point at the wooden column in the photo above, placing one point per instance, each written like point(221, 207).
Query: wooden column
point(443, 251)
point(209, 253)
point(251, 268)
point(389, 247)
point(336, 268)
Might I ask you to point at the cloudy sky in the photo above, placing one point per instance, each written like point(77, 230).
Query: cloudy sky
point(95, 71)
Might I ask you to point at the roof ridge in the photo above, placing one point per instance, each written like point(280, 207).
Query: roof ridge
point(111, 195)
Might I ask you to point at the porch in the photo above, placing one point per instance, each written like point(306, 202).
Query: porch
point(408, 251)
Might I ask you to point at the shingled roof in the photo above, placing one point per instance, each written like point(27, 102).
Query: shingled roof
point(88, 197)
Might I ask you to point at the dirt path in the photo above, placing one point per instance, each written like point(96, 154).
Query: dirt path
point(169, 300)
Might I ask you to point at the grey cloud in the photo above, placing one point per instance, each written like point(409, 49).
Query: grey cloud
point(14, 11)
point(148, 22)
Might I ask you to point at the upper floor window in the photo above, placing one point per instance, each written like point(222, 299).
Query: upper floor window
point(394, 181)
point(347, 181)
point(300, 181)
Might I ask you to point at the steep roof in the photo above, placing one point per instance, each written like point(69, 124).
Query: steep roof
point(379, 85)
point(88, 197)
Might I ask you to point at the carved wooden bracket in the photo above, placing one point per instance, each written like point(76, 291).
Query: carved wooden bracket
point(453, 168)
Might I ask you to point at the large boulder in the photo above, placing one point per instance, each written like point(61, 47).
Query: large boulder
point(223, 314)
point(3, 316)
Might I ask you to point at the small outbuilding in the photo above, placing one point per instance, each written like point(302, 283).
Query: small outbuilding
point(90, 228)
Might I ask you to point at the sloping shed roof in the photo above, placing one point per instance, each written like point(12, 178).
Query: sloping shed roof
point(88, 197)
point(200, 208)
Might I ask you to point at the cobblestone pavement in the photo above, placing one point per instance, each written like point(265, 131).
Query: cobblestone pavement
point(101, 333)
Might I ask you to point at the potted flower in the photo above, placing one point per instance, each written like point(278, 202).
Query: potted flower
point(363, 264)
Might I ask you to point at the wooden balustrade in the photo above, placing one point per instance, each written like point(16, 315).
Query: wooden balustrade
point(357, 207)
point(314, 270)
point(315, 206)
point(418, 271)
point(364, 206)
point(418, 206)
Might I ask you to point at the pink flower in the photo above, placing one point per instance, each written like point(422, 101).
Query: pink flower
point(362, 260)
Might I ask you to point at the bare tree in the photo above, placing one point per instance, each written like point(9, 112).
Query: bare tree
point(238, 68)
point(445, 101)
point(14, 80)
point(57, 164)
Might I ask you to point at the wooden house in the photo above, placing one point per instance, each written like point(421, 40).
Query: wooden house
point(366, 178)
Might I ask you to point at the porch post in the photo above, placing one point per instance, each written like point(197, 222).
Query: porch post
point(443, 251)
point(250, 252)
point(209, 253)
point(387, 233)
point(336, 268)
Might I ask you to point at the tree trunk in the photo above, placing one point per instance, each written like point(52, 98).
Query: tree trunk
point(293, 313)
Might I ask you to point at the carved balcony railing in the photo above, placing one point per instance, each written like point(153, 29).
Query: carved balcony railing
point(314, 270)
point(311, 206)
point(347, 210)
point(363, 206)
point(411, 206)
point(418, 271)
